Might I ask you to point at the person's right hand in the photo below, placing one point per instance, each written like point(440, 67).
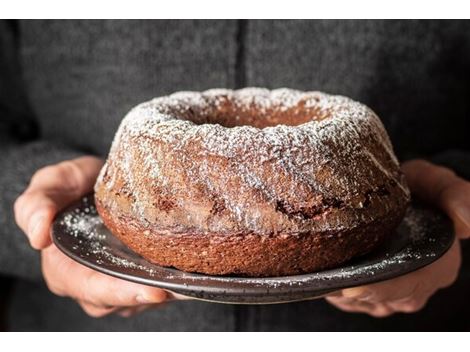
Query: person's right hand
point(51, 189)
point(439, 187)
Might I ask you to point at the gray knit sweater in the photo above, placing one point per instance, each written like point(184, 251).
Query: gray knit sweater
point(65, 85)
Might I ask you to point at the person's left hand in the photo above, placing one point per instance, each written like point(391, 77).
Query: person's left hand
point(409, 293)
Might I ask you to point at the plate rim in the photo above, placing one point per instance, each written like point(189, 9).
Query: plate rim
point(281, 288)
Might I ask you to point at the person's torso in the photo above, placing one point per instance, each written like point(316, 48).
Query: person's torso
point(83, 76)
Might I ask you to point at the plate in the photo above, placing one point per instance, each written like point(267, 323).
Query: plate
point(423, 236)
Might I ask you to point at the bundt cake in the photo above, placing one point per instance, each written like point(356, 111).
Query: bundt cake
point(251, 182)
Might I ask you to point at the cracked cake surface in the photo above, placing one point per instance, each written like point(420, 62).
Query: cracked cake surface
point(252, 182)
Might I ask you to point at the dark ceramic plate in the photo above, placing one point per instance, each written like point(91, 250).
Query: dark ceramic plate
point(423, 236)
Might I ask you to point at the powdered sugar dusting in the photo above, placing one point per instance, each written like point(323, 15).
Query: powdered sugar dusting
point(419, 240)
point(343, 151)
point(86, 226)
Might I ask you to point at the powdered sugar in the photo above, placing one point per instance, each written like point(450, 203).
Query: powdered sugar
point(82, 221)
point(422, 237)
point(164, 144)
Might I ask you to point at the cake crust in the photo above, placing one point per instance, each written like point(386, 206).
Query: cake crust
point(310, 183)
point(250, 254)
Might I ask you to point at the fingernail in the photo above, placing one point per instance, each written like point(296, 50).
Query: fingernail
point(143, 298)
point(334, 294)
point(151, 296)
point(355, 292)
point(171, 296)
point(463, 213)
point(35, 225)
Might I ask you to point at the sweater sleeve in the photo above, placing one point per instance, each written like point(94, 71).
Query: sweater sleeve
point(18, 162)
point(21, 154)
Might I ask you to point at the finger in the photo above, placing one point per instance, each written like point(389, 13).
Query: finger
point(402, 288)
point(66, 277)
point(382, 311)
point(386, 291)
point(377, 310)
point(128, 312)
point(421, 283)
point(334, 294)
point(34, 212)
point(442, 187)
point(51, 189)
point(410, 305)
point(106, 290)
point(173, 296)
point(60, 183)
point(95, 311)
point(351, 306)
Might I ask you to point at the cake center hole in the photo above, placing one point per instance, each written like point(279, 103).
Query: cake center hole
point(231, 115)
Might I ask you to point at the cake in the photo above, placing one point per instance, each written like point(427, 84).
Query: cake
point(251, 182)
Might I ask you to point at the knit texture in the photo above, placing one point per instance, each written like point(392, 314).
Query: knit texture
point(71, 82)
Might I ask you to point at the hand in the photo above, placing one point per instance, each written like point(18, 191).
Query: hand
point(50, 190)
point(409, 293)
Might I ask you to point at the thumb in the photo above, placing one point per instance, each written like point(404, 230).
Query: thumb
point(441, 187)
point(66, 277)
point(51, 189)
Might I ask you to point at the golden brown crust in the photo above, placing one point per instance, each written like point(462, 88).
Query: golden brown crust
point(251, 200)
